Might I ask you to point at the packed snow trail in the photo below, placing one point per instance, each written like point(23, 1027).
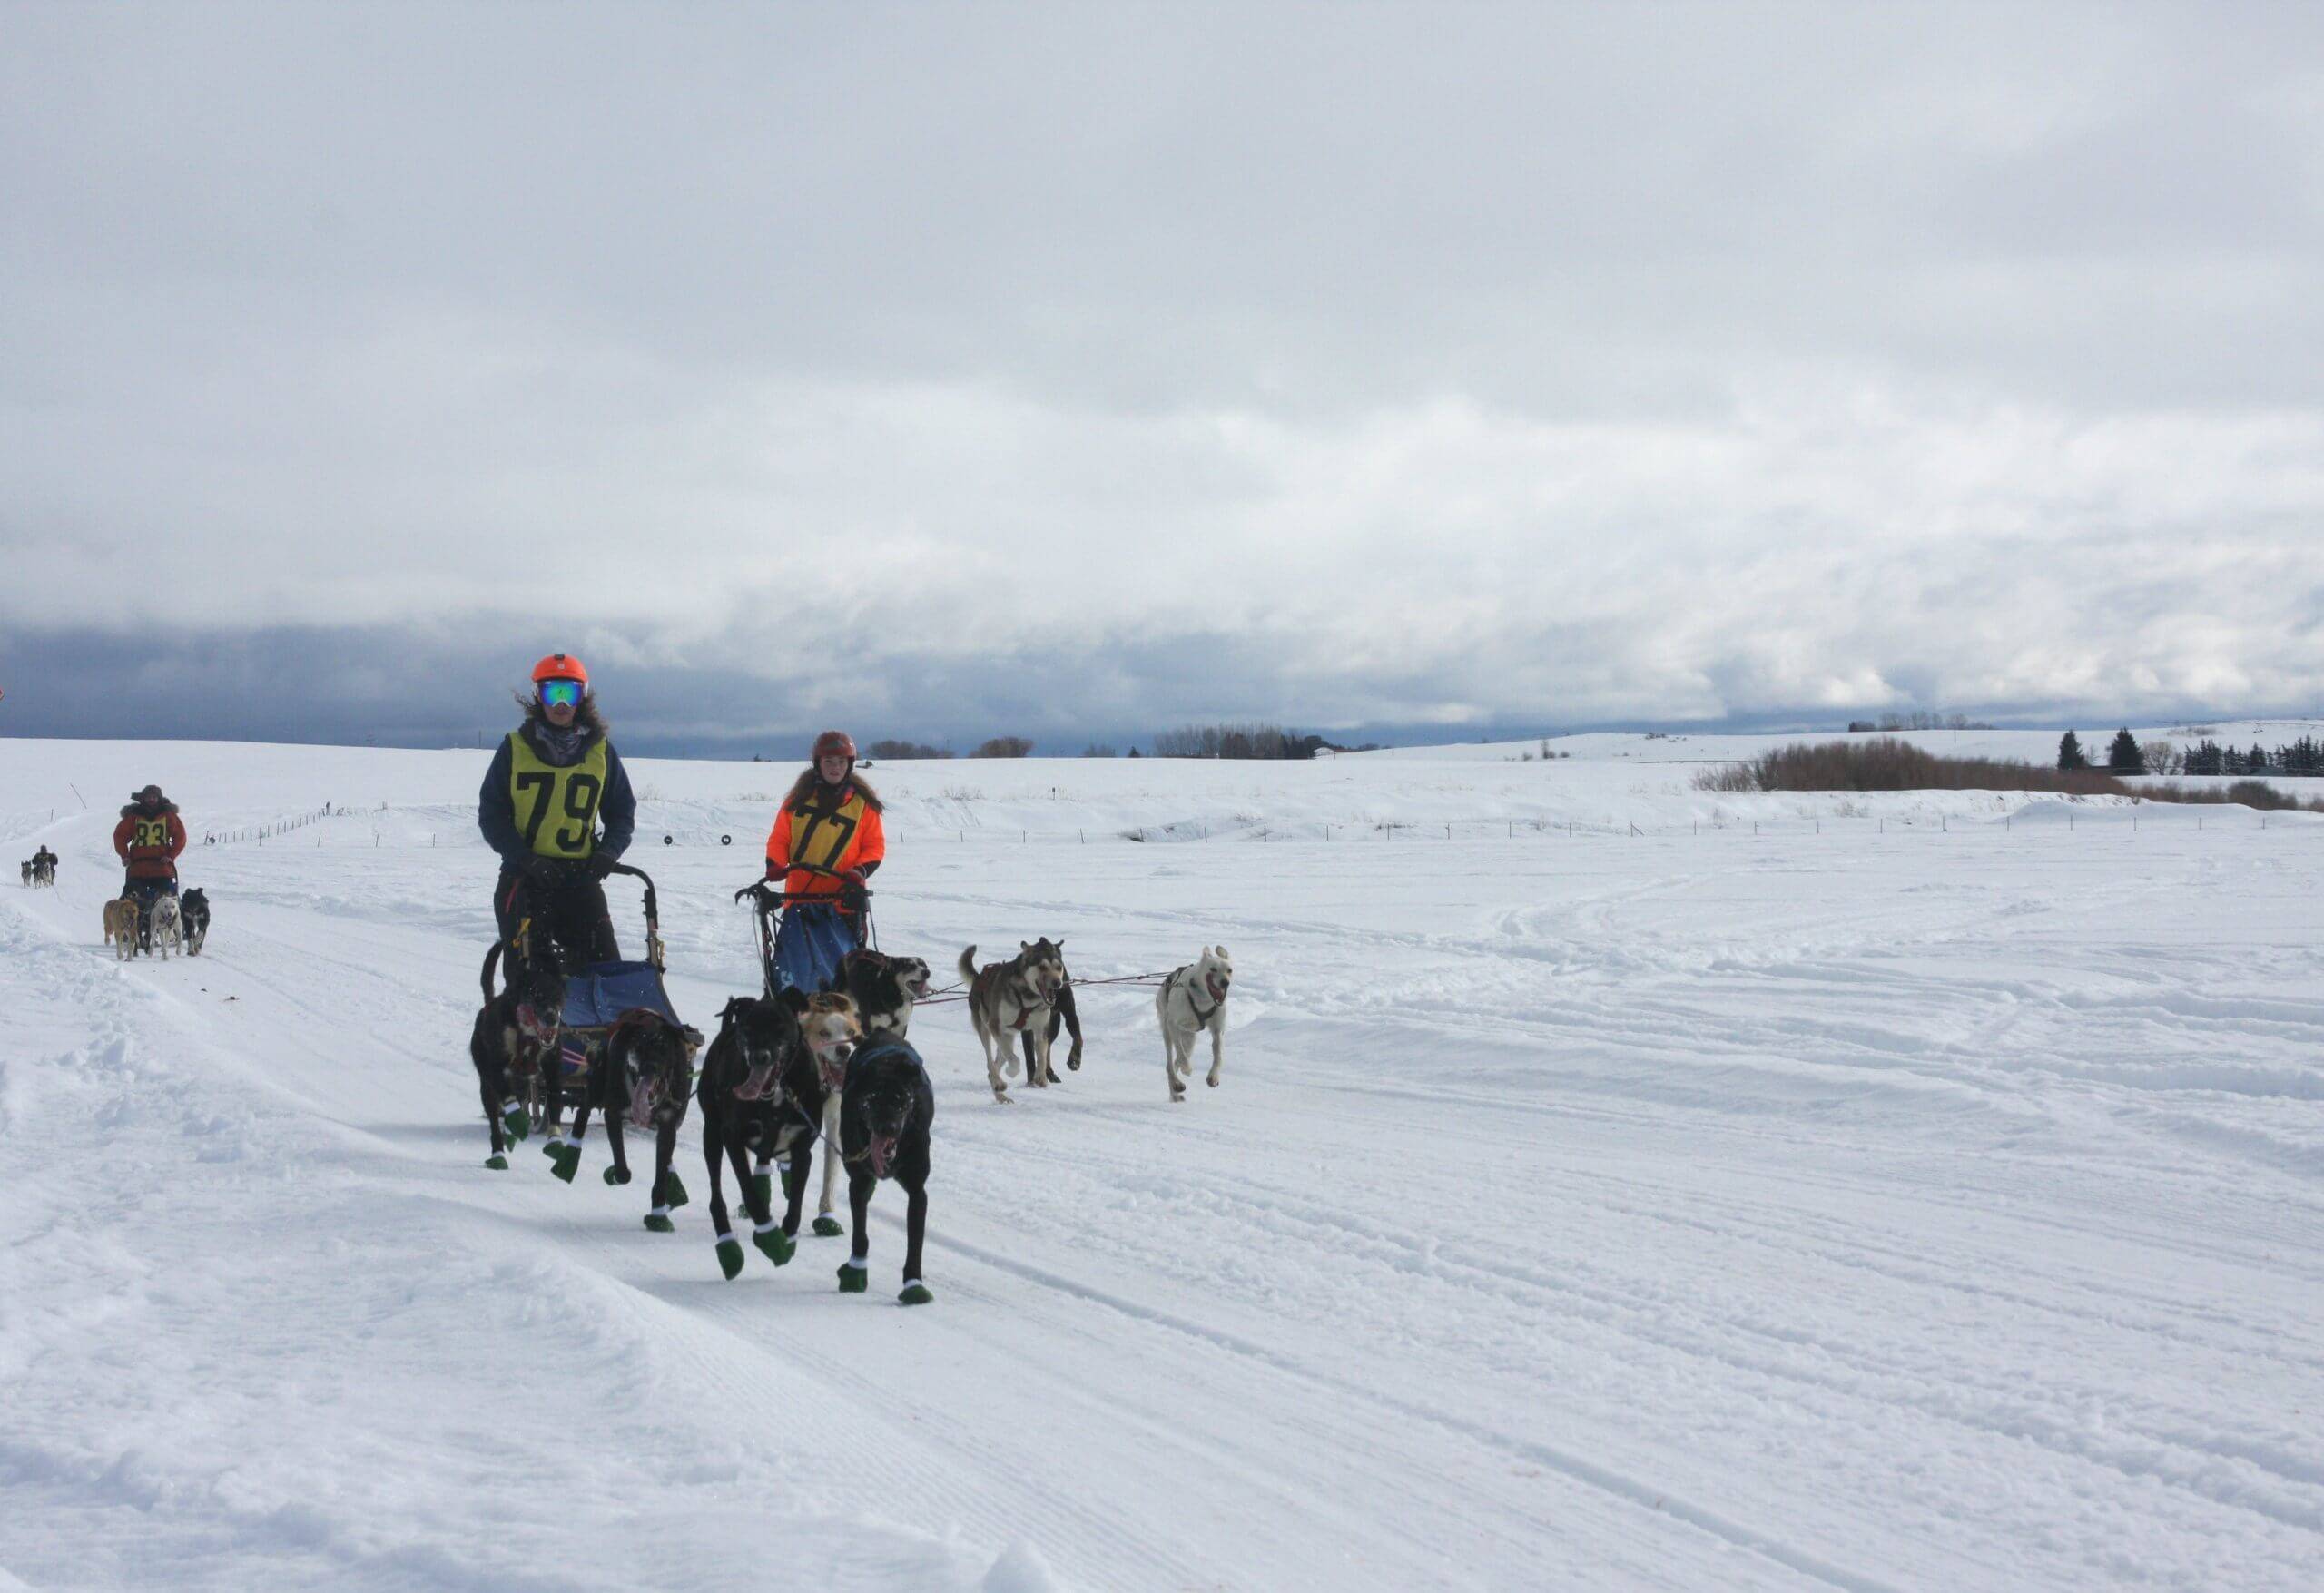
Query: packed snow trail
point(1852, 1210)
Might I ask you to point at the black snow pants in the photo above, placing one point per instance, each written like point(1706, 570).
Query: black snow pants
point(572, 916)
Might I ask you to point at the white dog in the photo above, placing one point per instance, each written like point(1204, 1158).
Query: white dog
point(168, 929)
point(1192, 999)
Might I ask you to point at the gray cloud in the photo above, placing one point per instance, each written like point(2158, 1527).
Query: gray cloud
point(1339, 365)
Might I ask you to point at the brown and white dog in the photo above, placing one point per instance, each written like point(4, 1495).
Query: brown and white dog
point(1013, 997)
point(830, 1029)
point(1191, 1000)
point(120, 927)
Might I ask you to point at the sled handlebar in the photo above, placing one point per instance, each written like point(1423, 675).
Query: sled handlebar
point(764, 892)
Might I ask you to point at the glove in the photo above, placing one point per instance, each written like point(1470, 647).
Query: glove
point(601, 864)
point(853, 896)
point(546, 872)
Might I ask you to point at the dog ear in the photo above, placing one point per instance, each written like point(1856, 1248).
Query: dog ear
point(1024, 945)
point(795, 998)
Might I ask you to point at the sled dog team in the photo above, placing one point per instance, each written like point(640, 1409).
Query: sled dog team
point(823, 1056)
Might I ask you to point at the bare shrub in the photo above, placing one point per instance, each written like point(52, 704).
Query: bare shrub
point(1004, 746)
point(1888, 764)
point(1727, 777)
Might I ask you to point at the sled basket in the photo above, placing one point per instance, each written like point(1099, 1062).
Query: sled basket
point(599, 994)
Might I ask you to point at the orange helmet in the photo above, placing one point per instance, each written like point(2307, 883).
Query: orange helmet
point(835, 741)
point(560, 667)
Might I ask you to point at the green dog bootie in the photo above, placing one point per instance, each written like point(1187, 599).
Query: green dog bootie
point(778, 1246)
point(854, 1277)
point(565, 1161)
point(497, 1162)
point(828, 1228)
point(674, 1194)
point(916, 1293)
point(517, 1121)
point(730, 1257)
point(616, 1174)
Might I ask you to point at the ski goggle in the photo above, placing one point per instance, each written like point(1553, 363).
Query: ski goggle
point(560, 693)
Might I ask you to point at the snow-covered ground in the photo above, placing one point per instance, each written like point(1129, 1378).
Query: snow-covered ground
point(1634, 1187)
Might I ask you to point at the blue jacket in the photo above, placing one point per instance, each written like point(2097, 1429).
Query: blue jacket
point(496, 809)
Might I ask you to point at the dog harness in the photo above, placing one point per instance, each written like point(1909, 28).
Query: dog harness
point(1193, 1000)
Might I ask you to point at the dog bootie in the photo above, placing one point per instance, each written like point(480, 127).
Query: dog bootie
point(616, 1174)
point(658, 1220)
point(777, 1245)
point(674, 1194)
point(827, 1227)
point(916, 1293)
point(516, 1122)
point(854, 1278)
point(564, 1160)
point(497, 1162)
point(730, 1257)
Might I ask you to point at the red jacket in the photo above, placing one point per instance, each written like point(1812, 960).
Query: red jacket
point(149, 842)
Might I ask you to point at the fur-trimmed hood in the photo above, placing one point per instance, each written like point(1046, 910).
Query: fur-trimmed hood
point(140, 811)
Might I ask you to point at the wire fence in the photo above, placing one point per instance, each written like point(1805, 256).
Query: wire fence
point(260, 833)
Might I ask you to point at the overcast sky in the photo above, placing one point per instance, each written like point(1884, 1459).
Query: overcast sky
point(1077, 371)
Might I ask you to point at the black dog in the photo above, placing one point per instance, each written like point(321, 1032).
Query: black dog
point(1064, 1016)
point(513, 1036)
point(883, 1121)
point(761, 1094)
point(194, 915)
point(883, 988)
point(641, 1077)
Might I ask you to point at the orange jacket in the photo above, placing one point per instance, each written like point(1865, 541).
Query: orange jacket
point(813, 830)
point(149, 842)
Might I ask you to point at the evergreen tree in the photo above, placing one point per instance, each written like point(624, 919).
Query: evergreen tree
point(2122, 756)
point(2257, 762)
point(2070, 752)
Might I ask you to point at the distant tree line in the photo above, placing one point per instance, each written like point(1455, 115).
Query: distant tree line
point(2126, 755)
point(1189, 741)
point(1919, 719)
point(1244, 741)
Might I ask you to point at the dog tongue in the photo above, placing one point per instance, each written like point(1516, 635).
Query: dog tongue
point(883, 1151)
point(755, 1088)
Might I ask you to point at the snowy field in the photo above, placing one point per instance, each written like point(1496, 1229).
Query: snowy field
point(1613, 1185)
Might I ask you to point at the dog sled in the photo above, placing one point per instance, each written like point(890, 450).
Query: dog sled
point(769, 900)
point(600, 999)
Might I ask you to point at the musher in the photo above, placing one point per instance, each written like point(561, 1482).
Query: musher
point(554, 781)
point(148, 840)
point(831, 819)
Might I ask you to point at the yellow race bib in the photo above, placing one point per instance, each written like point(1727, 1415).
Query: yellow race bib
point(556, 809)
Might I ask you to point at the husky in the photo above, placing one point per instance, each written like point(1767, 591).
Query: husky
point(760, 1091)
point(194, 910)
point(1012, 998)
point(168, 927)
point(26, 868)
point(884, 1117)
point(120, 927)
point(513, 1040)
point(831, 1028)
point(1192, 999)
point(884, 988)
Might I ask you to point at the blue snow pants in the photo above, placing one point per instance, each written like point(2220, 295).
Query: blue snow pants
point(810, 942)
